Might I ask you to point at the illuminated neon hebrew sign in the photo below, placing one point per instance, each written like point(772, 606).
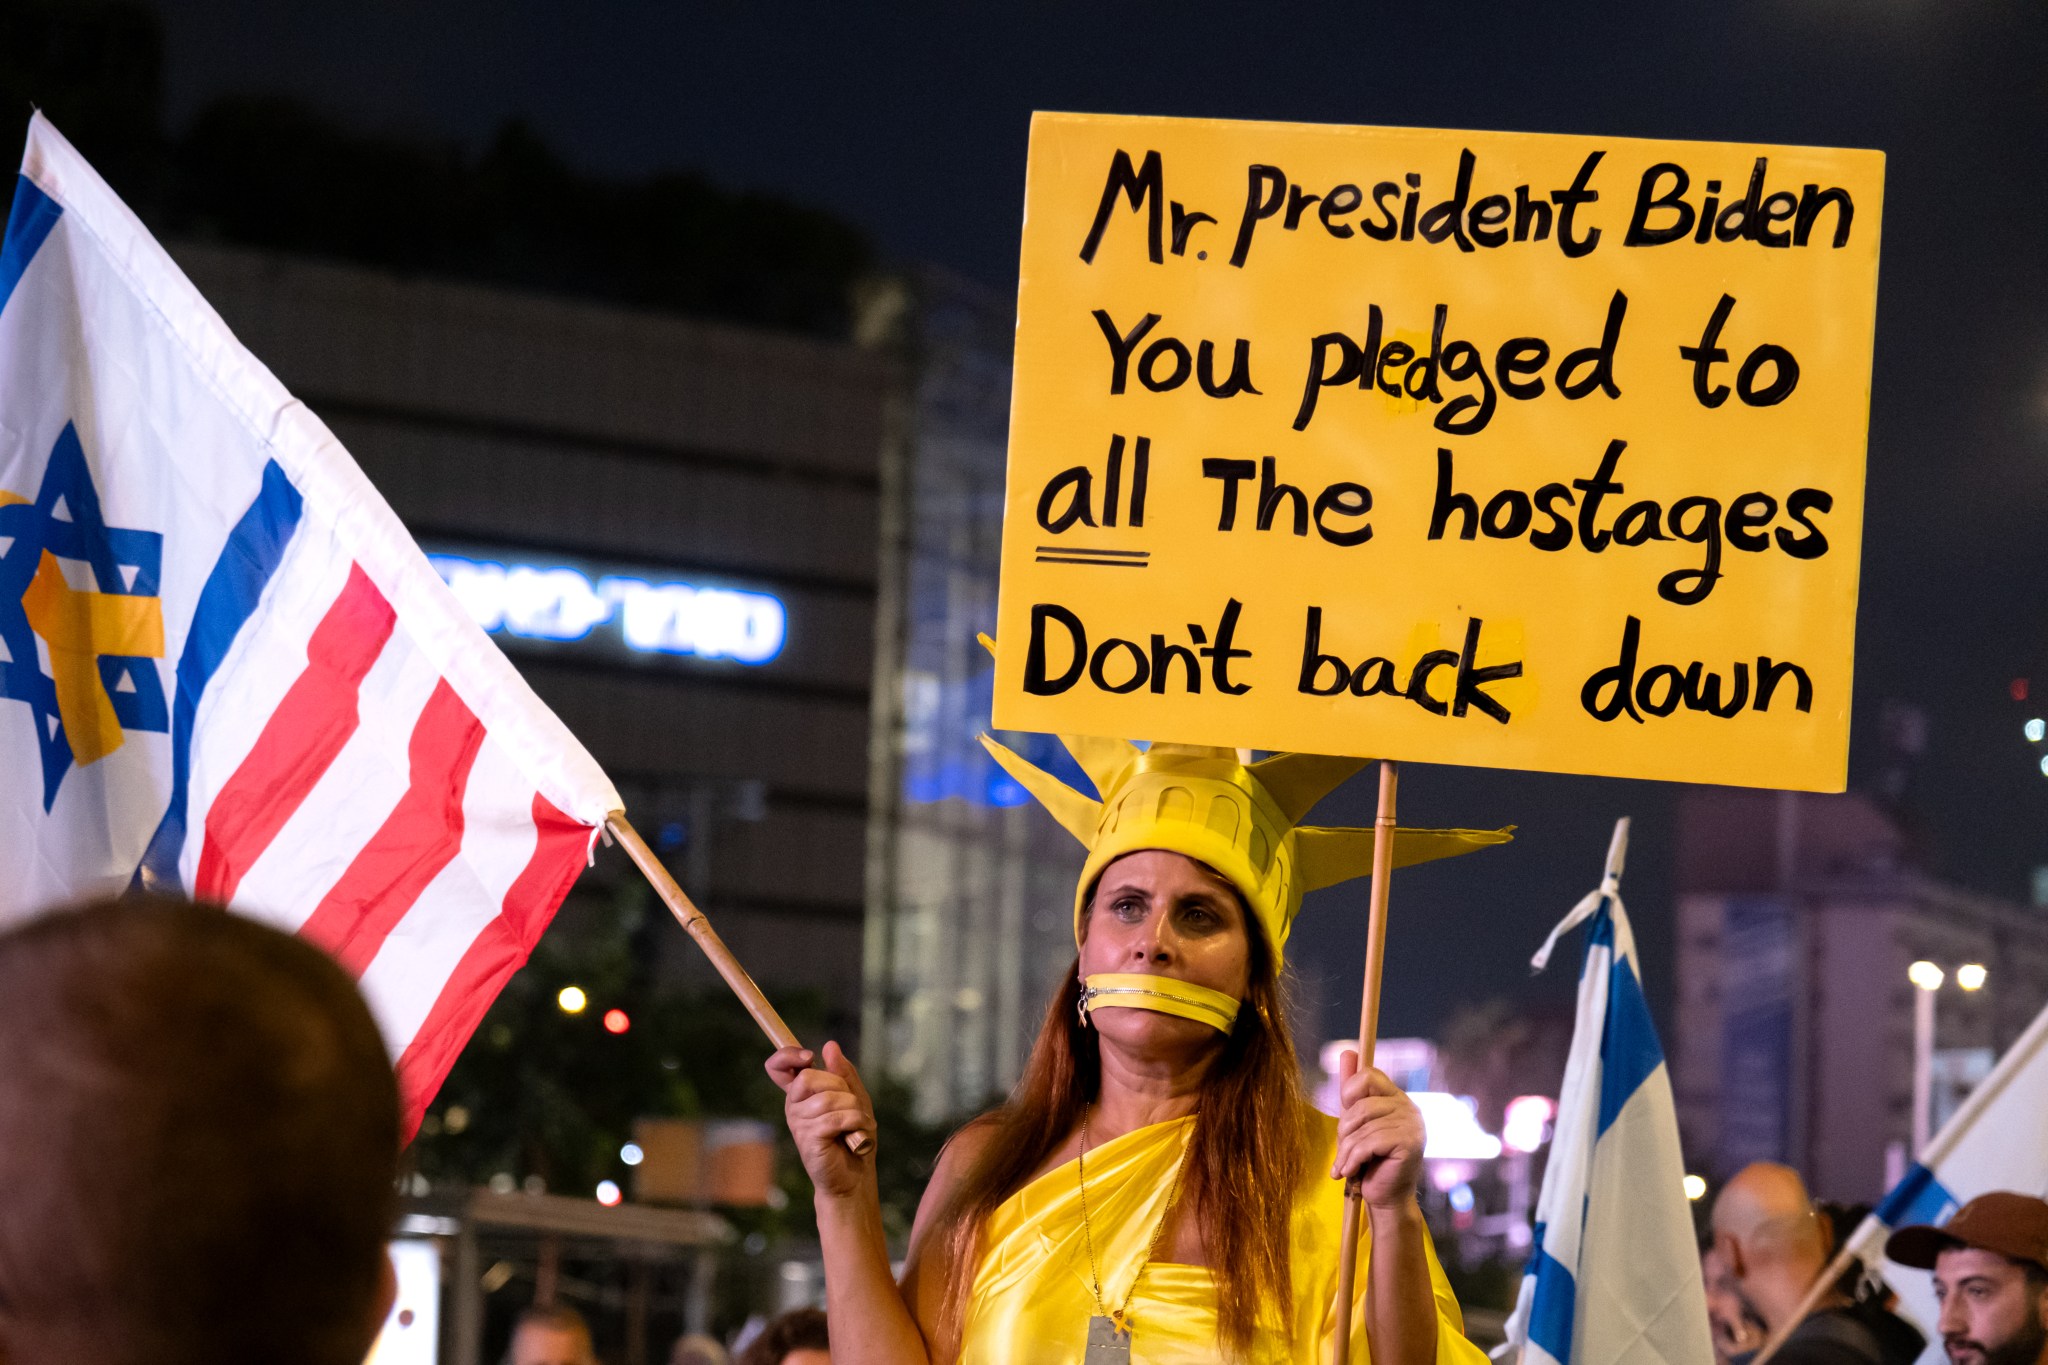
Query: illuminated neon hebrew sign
point(541, 603)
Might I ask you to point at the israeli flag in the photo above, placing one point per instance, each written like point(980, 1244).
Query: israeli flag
point(1615, 1278)
point(1997, 1140)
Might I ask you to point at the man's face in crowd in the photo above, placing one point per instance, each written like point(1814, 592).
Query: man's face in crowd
point(1735, 1327)
point(540, 1344)
point(1992, 1311)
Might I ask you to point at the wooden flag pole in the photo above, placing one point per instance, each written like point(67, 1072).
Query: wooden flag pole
point(699, 928)
point(1368, 1036)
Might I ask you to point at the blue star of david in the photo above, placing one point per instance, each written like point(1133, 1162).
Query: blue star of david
point(65, 520)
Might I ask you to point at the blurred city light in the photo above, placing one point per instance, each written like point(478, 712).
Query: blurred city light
point(631, 1154)
point(572, 1000)
point(2044, 765)
point(455, 1119)
point(1461, 1198)
point(2037, 729)
point(1971, 975)
point(1446, 1176)
point(1526, 1123)
point(1453, 1131)
point(615, 1021)
point(608, 1193)
point(1925, 975)
point(557, 603)
point(412, 1327)
point(1695, 1186)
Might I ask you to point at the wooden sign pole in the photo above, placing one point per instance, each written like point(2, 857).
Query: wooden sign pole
point(699, 928)
point(1368, 1036)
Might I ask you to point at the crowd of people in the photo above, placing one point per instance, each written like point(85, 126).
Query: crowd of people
point(199, 1151)
point(556, 1334)
point(1771, 1243)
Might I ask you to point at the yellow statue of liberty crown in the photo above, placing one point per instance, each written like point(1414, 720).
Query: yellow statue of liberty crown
point(1239, 819)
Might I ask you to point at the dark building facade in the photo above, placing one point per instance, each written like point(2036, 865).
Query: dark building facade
point(1799, 918)
point(970, 885)
point(671, 526)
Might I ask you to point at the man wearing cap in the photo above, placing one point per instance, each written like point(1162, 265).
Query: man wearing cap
point(1990, 1265)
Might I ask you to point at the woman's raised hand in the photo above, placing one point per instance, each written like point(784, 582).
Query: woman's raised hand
point(1379, 1135)
point(821, 1107)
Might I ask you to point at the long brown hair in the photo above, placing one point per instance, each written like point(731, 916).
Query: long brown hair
point(1247, 1158)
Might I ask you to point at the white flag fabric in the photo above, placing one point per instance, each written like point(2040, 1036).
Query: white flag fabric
point(1997, 1140)
point(226, 671)
point(1615, 1277)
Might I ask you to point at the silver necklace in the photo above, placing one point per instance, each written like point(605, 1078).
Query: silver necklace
point(1109, 1332)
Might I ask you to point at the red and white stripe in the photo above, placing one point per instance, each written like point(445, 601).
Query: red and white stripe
point(343, 788)
point(366, 767)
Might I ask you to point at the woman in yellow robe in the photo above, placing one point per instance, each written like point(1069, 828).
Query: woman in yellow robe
point(1157, 1189)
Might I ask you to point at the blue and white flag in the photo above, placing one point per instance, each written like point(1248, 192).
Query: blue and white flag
point(226, 672)
point(1997, 1140)
point(1615, 1278)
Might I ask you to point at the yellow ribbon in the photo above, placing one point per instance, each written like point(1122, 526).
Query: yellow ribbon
point(79, 627)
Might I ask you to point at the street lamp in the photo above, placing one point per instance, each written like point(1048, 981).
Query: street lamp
point(1927, 979)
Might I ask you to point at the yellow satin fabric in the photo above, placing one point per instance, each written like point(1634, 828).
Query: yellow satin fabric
point(1031, 1302)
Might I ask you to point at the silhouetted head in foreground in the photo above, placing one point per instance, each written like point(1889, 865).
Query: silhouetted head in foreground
point(198, 1144)
point(797, 1337)
point(551, 1334)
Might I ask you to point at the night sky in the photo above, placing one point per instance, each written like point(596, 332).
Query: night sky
point(912, 125)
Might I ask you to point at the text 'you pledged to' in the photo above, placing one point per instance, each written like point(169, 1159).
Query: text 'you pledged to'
point(1501, 449)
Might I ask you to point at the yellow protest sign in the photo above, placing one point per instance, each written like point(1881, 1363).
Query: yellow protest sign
point(1513, 450)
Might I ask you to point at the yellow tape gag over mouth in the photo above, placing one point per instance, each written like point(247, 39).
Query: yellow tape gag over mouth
point(1164, 994)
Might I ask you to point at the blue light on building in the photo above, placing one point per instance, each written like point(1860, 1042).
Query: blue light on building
point(534, 602)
